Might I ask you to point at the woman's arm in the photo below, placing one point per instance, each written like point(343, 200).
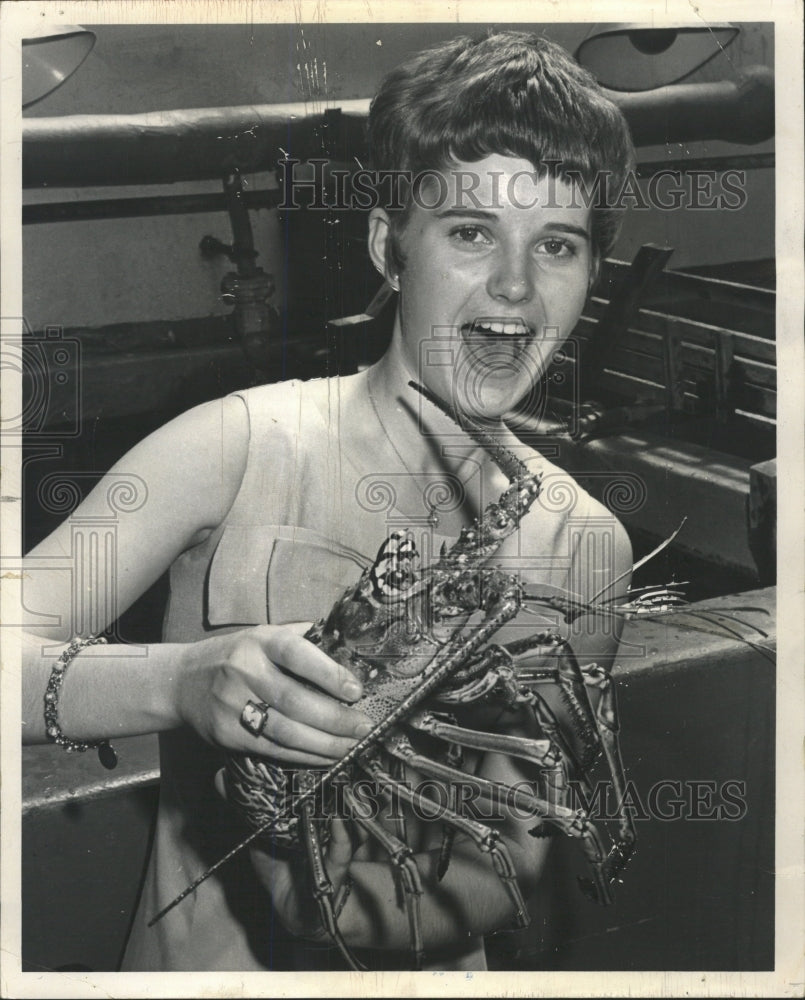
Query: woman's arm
point(186, 476)
point(191, 470)
point(600, 575)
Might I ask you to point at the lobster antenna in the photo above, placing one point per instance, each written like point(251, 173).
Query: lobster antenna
point(640, 562)
point(714, 617)
point(508, 463)
point(205, 875)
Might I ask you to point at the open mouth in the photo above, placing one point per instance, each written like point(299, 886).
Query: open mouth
point(499, 353)
point(498, 327)
point(500, 347)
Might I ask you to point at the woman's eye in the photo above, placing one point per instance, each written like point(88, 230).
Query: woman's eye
point(470, 234)
point(557, 248)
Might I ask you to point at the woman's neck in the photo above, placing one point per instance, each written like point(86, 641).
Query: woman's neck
point(429, 439)
point(391, 379)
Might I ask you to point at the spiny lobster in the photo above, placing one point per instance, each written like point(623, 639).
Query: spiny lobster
point(404, 633)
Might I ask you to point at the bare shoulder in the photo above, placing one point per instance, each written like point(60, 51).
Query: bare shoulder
point(579, 535)
point(179, 484)
point(224, 433)
point(183, 478)
point(205, 449)
point(279, 406)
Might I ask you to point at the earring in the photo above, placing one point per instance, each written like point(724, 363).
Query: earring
point(393, 280)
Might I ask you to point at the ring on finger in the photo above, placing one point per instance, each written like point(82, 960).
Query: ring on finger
point(254, 717)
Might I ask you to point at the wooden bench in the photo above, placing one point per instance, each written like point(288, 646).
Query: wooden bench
point(699, 346)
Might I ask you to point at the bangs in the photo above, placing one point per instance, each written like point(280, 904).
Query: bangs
point(510, 93)
point(548, 128)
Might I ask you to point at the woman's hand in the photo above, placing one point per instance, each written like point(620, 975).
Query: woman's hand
point(291, 895)
point(275, 665)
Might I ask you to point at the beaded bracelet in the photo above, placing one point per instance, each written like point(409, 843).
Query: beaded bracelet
point(106, 752)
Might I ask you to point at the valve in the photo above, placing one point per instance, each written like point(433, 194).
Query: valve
point(255, 318)
point(248, 288)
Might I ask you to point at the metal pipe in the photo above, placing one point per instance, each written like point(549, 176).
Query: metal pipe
point(739, 111)
point(204, 143)
point(172, 204)
point(194, 144)
point(128, 208)
point(746, 161)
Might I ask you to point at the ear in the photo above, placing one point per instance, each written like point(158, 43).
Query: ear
point(378, 239)
point(595, 269)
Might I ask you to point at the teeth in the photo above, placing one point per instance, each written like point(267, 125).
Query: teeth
point(511, 329)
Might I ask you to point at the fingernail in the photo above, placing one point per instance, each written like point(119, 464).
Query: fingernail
point(351, 689)
point(364, 729)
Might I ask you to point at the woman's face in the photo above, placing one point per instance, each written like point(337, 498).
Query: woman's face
point(495, 277)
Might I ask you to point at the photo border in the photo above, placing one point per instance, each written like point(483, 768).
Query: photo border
point(787, 978)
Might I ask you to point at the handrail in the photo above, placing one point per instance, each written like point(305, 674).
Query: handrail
point(203, 143)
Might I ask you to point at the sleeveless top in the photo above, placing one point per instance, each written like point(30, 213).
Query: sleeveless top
point(310, 514)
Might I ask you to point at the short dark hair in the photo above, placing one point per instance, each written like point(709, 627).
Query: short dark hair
point(510, 92)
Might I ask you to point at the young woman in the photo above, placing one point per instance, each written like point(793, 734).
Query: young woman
point(262, 506)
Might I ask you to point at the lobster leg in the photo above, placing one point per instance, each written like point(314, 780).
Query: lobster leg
point(448, 837)
point(501, 676)
point(494, 657)
point(401, 856)
point(608, 728)
point(454, 757)
point(544, 753)
point(399, 818)
point(484, 838)
point(323, 887)
point(541, 752)
point(568, 677)
point(575, 823)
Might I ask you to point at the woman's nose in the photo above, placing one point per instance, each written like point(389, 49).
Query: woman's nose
point(510, 279)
